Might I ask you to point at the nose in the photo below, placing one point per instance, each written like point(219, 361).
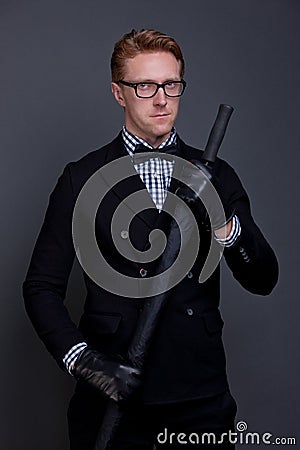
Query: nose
point(160, 97)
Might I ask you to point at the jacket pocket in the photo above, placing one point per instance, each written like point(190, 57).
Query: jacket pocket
point(100, 324)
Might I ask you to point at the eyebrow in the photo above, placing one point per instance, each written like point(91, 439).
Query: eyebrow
point(149, 80)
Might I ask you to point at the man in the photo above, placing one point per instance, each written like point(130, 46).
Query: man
point(183, 387)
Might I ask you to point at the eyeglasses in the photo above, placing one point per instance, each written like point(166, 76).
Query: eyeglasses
point(149, 89)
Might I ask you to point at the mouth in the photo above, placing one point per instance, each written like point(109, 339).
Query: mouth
point(160, 115)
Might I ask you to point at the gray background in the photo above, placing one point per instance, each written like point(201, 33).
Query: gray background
point(56, 106)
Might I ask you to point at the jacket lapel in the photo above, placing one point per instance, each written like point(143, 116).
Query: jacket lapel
point(123, 193)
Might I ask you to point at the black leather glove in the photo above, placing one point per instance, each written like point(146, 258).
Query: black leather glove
point(110, 375)
point(200, 177)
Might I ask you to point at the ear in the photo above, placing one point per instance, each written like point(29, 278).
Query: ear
point(118, 94)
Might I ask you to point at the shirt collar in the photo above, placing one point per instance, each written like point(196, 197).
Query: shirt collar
point(131, 141)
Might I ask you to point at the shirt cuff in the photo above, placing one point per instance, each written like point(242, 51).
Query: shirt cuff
point(70, 357)
point(233, 235)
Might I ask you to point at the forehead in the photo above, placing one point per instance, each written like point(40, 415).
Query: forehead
point(152, 66)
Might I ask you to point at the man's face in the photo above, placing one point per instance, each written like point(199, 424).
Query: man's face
point(151, 119)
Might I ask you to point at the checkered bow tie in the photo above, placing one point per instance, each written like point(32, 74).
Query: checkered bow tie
point(140, 150)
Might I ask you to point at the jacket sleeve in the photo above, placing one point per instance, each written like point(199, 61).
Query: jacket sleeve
point(46, 281)
point(251, 258)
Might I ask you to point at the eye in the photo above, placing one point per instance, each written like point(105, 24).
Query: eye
point(170, 84)
point(144, 86)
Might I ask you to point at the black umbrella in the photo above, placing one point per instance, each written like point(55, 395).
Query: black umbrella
point(153, 306)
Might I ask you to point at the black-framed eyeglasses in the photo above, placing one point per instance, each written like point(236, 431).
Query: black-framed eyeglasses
point(148, 89)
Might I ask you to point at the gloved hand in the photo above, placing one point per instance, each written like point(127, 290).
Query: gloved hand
point(109, 374)
point(200, 177)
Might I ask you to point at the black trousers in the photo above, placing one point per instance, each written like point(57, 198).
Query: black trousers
point(191, 424)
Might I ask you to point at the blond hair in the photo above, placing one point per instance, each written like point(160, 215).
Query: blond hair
point(136, 42)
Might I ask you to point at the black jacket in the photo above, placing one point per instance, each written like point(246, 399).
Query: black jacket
point(186, 358)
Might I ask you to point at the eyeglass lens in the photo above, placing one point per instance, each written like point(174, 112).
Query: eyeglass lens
point(150, 89)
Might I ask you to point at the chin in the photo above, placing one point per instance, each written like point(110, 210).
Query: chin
point(161, 131)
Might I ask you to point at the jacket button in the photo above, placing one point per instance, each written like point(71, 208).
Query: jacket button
point(190, 312)
point(190, 275)
point(124, 234)
point(143, 272)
